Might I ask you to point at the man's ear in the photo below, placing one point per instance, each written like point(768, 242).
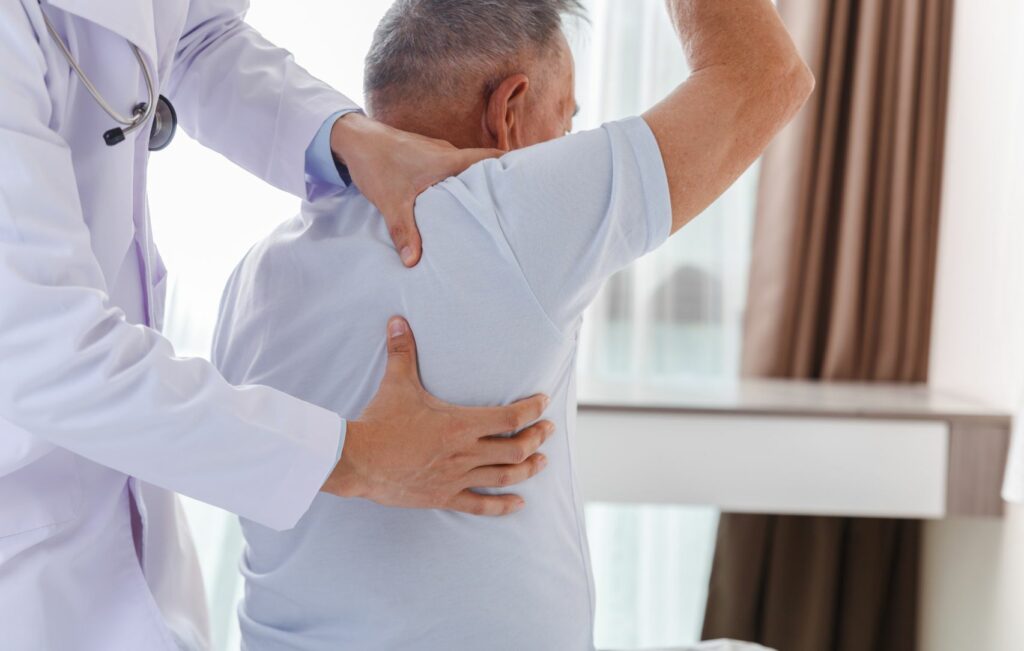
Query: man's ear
point(505, 112)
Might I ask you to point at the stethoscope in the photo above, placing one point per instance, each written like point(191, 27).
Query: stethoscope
point(165, 120)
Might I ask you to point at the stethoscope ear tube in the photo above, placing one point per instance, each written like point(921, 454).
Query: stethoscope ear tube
point(117, 134)
point(113, 136)
point(165, 119)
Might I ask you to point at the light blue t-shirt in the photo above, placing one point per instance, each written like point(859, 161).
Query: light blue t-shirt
point(514, 250)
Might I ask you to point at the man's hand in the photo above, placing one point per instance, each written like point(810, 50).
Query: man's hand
point(391, 168)
point(412, 450)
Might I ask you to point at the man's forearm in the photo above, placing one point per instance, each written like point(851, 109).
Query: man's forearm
point(743, 36)
point(748, 81)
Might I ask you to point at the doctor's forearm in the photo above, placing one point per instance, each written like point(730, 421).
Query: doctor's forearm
point(242, 96)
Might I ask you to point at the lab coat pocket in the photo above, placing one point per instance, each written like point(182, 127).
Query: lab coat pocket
point(43, 493)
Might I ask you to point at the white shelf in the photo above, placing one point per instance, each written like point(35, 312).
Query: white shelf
point(788, 397)
point(792, 447)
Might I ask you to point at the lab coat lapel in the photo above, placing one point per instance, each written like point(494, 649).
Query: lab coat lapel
point(133, 20)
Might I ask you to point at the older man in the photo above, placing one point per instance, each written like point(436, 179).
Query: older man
point(514, 250)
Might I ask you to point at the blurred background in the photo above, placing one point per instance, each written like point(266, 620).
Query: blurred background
point(875, 243)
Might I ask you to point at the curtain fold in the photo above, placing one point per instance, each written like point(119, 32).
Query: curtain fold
point(841, 287)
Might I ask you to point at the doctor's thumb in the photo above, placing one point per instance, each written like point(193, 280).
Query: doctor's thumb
point(406, 236)
point(401, 349)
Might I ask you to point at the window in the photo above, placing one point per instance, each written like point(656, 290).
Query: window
point(677, 313)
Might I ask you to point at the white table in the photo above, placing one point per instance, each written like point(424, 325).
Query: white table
point(775, 446)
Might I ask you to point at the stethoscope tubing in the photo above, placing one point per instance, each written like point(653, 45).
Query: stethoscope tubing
point(129, 124)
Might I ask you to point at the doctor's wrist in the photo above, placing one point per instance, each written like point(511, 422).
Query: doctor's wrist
point(345, 480)
point(348, 133)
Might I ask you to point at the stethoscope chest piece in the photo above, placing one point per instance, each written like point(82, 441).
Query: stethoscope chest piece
point(165, 124)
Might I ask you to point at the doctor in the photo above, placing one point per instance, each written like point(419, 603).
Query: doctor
point(99, 420)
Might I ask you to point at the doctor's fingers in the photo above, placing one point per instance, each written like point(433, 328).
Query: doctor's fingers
point(513, 450)
point(480, 422)
point(476, 504)
point(506, 475)
point(400, 216)
point(462, 159)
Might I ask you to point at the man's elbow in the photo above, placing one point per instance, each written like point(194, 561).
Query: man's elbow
point(792, 84)
point(803, 82)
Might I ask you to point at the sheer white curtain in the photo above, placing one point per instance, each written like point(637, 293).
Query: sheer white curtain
point(676, 313)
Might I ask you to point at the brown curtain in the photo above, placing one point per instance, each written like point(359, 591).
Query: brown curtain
point(841, 289)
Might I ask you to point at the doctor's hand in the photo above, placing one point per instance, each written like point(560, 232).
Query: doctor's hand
point(392, 167)
point(410, 449)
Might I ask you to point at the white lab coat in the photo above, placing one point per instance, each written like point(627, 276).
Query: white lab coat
point(90, 398)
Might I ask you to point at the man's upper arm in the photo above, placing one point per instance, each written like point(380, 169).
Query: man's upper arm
point(748, 82)
point(576, 210)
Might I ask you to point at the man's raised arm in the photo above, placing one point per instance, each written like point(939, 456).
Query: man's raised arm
point(748, 82)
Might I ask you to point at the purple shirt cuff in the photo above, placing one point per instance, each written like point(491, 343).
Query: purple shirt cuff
point(321, 168)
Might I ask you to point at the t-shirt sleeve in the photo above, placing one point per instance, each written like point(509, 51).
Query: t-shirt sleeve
point(574, 211)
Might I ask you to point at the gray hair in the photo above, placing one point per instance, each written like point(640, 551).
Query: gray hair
point(435, 47)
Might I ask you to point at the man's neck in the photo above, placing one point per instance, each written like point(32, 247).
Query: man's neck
point(464, 131)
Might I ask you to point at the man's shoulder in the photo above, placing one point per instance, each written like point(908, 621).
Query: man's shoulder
point(530, 161)
point(553, 171)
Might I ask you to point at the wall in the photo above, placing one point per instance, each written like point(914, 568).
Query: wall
point(973, 570)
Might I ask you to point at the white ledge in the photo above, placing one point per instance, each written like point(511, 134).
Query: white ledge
point(790, 397)
point(793, 447)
